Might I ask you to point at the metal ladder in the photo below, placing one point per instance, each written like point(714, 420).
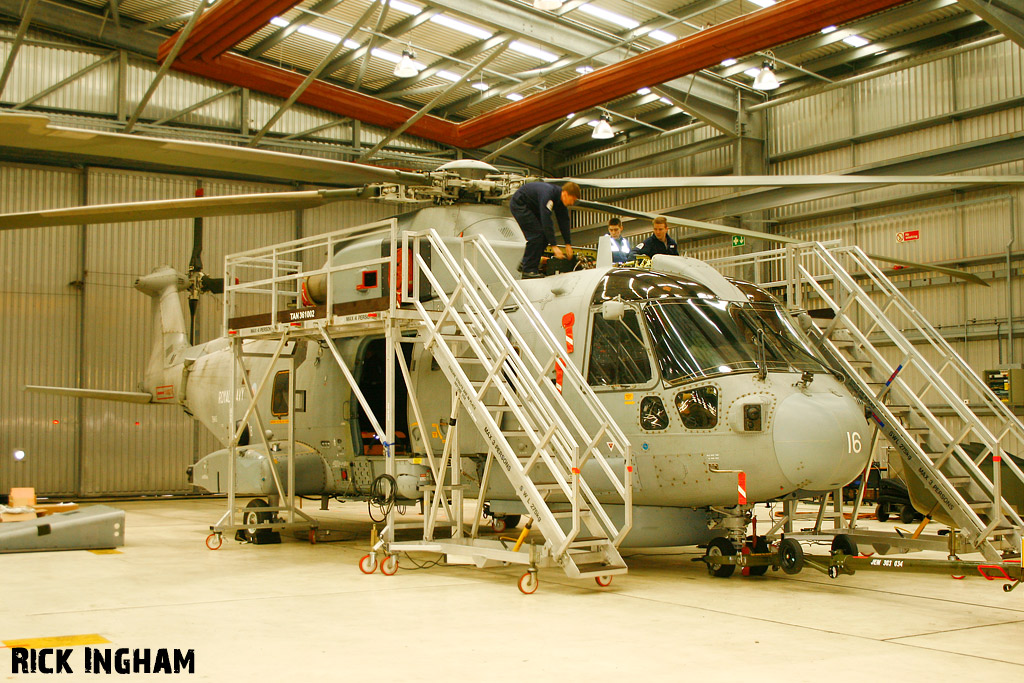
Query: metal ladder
point(894, 384)
point(500, 373)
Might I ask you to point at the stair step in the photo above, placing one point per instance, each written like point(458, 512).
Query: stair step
point(860, 363)
point(899, 410)
point(589, 541)
point(918, 430)
point(979, 505)
point(599, 569)
point(958, 480)
point(844, 343)
point(564, 514)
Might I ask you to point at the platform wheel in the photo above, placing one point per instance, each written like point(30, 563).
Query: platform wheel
point(758, 545)
point(603, 581)
point(791, 556)
point(719, 547)
point(908, 514)
point(389, 566)
point(498, 525)
point(368, 564)
point(214, 541)
point(841, 543)
point(528, 583)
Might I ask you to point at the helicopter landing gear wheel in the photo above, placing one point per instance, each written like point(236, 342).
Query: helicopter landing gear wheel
point(528, 583)
point(368, 564)
point(717, 548)
point(758, 546)
point(603, 581)
point(791, 556)
point(214, 541)
point(252, 515)
point(389, 566)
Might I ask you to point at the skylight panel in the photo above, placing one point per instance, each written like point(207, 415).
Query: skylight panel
point(481, 86)
point(662, 36)
point(461, 26)
point(752, 72)
point(527, 49)
point(448, 75)
point(585, 69)
point(643, 91)
point(728, 62)
point(406, 7)
point(664, 100)
point(514, 96)
point(829, 29)
point(856, 41)
point(610, 17)
point(763, 3)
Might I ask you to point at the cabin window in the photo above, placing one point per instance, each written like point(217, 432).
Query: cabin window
point(698, 408)
point(653, 415)
point(618, 355)
point(279, 395)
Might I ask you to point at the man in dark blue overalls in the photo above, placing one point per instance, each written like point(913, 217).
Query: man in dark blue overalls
point(532, 206)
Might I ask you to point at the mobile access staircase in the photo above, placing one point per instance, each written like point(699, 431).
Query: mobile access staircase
point(923, 397)
point(509, 377)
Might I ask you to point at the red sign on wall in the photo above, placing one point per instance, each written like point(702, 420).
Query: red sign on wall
point(908, 236)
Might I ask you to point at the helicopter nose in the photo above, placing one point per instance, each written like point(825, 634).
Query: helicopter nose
point(821, 440)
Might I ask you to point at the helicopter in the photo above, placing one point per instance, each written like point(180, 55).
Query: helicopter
point(707, 375)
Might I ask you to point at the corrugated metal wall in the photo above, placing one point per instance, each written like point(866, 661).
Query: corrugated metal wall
point(99, 334)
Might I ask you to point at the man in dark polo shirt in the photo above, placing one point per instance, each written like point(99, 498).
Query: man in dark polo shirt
point(532, 206)
point(660, 243)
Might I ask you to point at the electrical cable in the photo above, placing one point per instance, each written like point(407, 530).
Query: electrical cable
point(382, 497)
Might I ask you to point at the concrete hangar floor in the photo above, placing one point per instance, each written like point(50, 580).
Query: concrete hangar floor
point(265, 612)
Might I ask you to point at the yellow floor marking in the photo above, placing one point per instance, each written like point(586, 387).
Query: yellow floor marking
point(57, 641)
point(107, 551)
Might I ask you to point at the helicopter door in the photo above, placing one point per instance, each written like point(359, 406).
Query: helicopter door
point(370, 373)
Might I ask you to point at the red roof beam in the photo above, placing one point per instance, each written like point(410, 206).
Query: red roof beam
point(228, 23)
point(760, 30)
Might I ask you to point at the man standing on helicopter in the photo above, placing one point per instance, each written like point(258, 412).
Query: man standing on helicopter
point(532, 206)
point(659, 243)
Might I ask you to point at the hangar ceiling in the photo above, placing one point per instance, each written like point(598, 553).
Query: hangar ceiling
point(493, 74)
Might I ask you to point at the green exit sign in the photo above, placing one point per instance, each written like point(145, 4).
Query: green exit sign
point(737, 240)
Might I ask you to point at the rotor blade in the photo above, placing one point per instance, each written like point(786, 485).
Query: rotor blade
point(35, 133)
point(195, 264)
point(685, 222)
point(103, 394)
point(713, 227)
point(193, 306)
point(953, 272)
point(231, 205)
point(213, 285)
point(824, 180)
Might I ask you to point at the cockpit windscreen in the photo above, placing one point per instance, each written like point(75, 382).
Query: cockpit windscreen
point(702, 337)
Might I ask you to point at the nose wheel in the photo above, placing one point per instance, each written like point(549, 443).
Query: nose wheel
point(717, 548)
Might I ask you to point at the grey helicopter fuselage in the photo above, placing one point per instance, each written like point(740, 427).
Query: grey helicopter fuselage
point(707, 377)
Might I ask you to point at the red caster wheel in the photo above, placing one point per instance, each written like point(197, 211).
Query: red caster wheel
point(389, 566)
point(214, 541)
point(528, 583)
point(368, 564)
point(603, 581)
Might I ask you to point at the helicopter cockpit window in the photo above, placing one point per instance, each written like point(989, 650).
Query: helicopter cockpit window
point(653, 415)
point(703, 337)
point(618, 355)
point(698, 408)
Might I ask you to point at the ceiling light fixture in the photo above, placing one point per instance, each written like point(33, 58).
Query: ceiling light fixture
point(405, 67)
point(765, 79)
point(603, 128)
point(547, 5)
